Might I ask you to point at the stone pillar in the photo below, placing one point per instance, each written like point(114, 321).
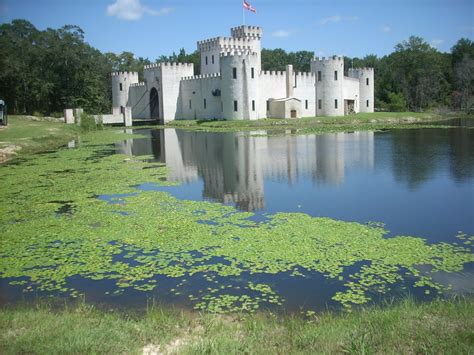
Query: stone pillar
point(69, 116)
point(77, 114)
point(127, 116)
point(289, 81)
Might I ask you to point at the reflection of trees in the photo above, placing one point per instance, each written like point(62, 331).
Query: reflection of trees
point(413, 154)
point(418, 153)
point(461, 143)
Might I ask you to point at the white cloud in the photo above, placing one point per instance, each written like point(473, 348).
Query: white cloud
point(281, 33)
point(330, 19)
point(336, 19)
point(386, 28)
point(436, 42)
point(132, 10)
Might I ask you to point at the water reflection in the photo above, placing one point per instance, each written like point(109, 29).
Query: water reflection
point(234, 166)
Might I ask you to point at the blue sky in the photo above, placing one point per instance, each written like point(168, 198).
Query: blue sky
point(150, 28)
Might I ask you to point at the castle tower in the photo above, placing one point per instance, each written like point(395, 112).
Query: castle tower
point(253, 34)
point(366, 87)
point(121, 82)
point(329, 85)
point(240, 82)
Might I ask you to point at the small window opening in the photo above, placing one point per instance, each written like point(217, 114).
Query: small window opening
point(235, 106)
point(335, 75)
point(319, 76)
point(234, 73)
point(253, 105)
point(335, 103)
point(121, 87)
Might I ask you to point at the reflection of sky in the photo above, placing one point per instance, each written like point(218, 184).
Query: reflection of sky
point(459, 282)
point(418, 182)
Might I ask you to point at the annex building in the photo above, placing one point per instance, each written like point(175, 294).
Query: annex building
point(233, 86)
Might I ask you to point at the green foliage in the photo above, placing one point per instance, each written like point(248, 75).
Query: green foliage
point(397, 102)
point(88, 123)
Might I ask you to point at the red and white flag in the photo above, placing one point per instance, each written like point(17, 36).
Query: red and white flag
point(249, 7)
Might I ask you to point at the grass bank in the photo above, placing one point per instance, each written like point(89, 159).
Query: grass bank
point(406, 328)
point(361, 121)
point(28, 134)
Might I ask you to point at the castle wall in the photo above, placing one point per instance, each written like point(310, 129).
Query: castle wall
point(306, 92)
point(194, 90)
point(272, 86)
point(138, 98)
point(351, 91)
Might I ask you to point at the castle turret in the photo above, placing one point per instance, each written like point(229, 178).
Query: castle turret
point(366, 87)
point(240, 79)
point(121, 82)
point(329, 85)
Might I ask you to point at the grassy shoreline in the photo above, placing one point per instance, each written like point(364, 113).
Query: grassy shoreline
point(441, 326)
point(362, 121)
point(27, 135)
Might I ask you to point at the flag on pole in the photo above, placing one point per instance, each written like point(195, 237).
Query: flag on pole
point(249, 7)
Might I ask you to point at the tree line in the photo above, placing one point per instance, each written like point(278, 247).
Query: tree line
point(46, 71)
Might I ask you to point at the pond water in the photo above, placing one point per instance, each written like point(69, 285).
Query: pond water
point(413, 182)
point(417, 182)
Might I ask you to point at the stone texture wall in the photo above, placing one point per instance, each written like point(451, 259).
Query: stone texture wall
point(328, 90)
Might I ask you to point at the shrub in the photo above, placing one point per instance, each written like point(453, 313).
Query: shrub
point(89, 123)
point(397, 102)
point(37, 114)
point(57, 114)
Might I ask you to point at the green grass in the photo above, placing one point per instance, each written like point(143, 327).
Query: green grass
point(26, 136)
point(408, 327)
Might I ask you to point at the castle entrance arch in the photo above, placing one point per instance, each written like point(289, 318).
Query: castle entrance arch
point(154, 105)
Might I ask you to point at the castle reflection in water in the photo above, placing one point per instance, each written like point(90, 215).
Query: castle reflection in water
point(234, 166)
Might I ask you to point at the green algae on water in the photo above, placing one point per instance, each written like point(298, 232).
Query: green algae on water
point(146, 234)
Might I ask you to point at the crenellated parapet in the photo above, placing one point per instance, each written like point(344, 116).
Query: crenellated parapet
point(125, 73)
point(223, 44)
point(202, 77)
point(273, 73)
point(137, 84)
point(168, 65)
point(253, 32)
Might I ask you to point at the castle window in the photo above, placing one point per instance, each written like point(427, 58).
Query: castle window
point(367, 103)
point(234, 73)
point(268, 105)
point(190, 105)
point(212, 59)
point(320, 104)
point(253, 72)
point(335, 75)
point(335, 103)
point(206, 59)
point(319, 76)
point(306, 104)
point(205, 104)
point(253, 105)
point(367, 81)
point(121, 87)
point(235, 106)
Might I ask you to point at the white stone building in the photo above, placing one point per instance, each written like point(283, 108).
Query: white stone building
point(233, 86)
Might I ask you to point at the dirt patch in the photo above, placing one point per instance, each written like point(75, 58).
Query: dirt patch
point(7, 152)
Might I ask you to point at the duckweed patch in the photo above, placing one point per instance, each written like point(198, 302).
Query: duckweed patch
point(133, 236)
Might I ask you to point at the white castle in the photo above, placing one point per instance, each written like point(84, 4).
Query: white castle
point(233, 86)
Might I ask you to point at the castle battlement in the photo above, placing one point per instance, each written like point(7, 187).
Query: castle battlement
point(200, 77)
point(223, 42)
point(239, 54)
point(329, 59)
point(273, 73)
point(308, 74)
point(254, 32)
point(124, 73)
point(167, 64)
point(137, 84)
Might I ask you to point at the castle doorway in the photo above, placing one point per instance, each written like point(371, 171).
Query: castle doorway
point(154, 105)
